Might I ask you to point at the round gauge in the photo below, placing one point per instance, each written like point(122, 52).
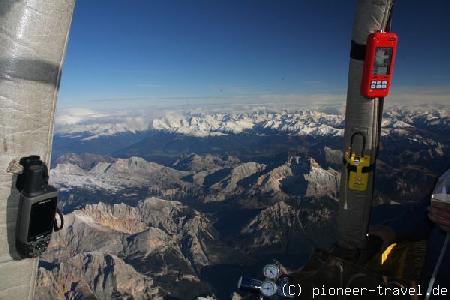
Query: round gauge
point(271, 271)
point(268, 288)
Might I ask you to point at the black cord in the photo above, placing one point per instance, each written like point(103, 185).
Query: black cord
point(379, 121)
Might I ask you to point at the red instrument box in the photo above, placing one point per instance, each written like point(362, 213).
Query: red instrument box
point(379, 64)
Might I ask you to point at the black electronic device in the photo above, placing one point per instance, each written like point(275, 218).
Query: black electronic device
point(37, 208)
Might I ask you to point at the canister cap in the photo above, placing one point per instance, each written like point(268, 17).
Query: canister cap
point(34, 177)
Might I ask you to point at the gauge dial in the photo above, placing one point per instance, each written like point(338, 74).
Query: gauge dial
point(271, 271)
point(268, 288)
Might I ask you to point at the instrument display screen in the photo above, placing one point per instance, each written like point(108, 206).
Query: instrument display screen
point(42, 217)
point(382, 61)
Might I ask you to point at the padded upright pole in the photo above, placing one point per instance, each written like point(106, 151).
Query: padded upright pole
point(361, 116)
point(33, 38)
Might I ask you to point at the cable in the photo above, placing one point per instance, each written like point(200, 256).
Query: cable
point(345, 191)
point(341, 276)
point(389, 21)
point(436, 267)
point(388, 14)
point(379, 121)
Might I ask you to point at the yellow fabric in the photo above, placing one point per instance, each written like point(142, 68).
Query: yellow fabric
point(387, 252)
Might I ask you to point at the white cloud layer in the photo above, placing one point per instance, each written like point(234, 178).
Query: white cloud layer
point(75, 115)
point(77, 120)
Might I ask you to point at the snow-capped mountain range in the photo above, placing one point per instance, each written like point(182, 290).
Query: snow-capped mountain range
point(307, 122)
point(302, 123)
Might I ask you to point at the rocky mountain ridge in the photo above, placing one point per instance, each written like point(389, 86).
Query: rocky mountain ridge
point(217, 180)
point(94, 275)
point(146, 239)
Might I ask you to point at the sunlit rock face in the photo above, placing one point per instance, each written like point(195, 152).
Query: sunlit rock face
point(271, 182)
point(149, 237)
point(322, 182)
point(96, 275)
point(116, 175)
point(117, 217)
point(270, 226)
point(282, 225)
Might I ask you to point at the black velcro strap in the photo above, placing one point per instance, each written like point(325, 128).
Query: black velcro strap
point(358, 51)
point(367, 169)
point(351, 168)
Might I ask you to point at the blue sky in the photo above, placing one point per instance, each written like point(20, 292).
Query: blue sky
point(140, 52)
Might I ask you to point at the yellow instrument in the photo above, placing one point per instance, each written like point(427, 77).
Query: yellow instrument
point(358, 164)
point(358, 171)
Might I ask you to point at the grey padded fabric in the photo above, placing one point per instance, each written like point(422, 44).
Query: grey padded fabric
point(361, 115)
point(33, 38)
